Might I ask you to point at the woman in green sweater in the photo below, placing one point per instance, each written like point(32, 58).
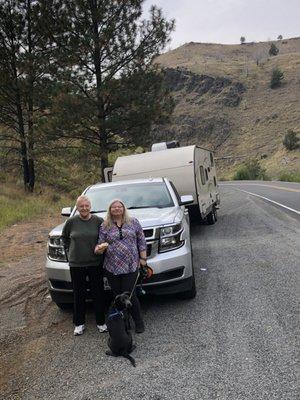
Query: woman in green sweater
point(80, 235)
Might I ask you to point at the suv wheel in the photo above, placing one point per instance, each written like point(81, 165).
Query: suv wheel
point(190, 294)
point(64, 306)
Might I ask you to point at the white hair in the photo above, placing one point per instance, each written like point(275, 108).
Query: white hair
point(82, 198)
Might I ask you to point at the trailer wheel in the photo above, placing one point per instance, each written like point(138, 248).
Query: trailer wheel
point(212, 217)
point(216, 214)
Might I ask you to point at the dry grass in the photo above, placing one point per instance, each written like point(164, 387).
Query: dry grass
point(18, 206)
point(258, 124)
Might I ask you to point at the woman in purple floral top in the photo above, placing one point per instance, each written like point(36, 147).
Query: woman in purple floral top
point(123, 239)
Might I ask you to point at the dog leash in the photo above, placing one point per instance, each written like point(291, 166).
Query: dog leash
point(142, 274)
point(135, 283)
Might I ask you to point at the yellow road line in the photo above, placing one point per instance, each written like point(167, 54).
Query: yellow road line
point(260, 184)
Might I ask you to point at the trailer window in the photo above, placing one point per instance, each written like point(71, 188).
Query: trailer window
point(212, 159)
point(202, 175)
point(206, 174)
point(215, 181)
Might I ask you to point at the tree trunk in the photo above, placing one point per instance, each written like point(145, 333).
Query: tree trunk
point(103, 157)
point(30, 132)
point(25, 166)
point(103, 147)
point(20, 121)
point(23, 147)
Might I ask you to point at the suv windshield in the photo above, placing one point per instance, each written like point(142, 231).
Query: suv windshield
point(138, 195)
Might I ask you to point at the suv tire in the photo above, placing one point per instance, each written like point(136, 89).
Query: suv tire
point(64, 306)
point(190, 294)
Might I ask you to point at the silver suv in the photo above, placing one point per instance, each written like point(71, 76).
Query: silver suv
point(165, 221)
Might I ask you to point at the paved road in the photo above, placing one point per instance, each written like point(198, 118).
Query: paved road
point(236, 340)
point(285, 194)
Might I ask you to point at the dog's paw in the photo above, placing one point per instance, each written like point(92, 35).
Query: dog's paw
point(133, 347)
point(110, 353)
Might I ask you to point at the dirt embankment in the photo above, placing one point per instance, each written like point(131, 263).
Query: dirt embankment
point(26, 311)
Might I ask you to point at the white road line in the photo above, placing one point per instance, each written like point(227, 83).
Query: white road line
point(271, 201)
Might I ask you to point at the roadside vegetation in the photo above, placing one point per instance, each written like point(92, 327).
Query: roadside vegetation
point(17, 206)
point(290, 177)
point(78, 77)
point(250, 170)
point(291, 140)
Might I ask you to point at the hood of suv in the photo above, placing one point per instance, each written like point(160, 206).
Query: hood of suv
point(147, 217)
point(155, 216)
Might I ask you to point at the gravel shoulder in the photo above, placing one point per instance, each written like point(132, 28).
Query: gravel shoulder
point(236, 340)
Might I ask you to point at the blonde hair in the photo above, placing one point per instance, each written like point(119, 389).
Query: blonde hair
point(108, 220)
point(82, 198)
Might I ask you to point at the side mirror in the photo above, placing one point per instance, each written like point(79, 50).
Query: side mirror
point(185, 200)
point(108, 171)
point(66, 211)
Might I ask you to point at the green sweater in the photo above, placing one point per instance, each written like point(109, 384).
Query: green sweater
point(80, 238)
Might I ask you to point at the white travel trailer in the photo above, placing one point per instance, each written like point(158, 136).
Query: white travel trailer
point(191, 169)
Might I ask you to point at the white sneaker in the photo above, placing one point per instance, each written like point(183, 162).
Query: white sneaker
point(79, 330)
point(102, 328)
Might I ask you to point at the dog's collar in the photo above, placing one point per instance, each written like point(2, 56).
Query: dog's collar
point(115, 313)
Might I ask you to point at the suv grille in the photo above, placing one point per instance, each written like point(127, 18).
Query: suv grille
point(149, 249)
point(148, 233)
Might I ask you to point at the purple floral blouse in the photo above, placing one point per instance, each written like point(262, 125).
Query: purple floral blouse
point(125, 244)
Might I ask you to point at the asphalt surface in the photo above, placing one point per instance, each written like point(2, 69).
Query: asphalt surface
point(236, 340)
point(285, 193)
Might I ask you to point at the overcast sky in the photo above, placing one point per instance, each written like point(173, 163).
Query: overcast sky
point(225, 21)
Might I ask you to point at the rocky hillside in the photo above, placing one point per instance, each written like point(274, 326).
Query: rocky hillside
point(224, 101)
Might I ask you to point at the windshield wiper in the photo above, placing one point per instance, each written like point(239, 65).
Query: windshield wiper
point(96, 212)
point(138, 207)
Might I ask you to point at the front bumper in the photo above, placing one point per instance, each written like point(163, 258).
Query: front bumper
point(172, 273)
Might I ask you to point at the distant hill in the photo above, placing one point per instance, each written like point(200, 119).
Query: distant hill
point(224, 101)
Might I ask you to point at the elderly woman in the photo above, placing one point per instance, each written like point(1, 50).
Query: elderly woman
point(123, 239)
point(80, 235)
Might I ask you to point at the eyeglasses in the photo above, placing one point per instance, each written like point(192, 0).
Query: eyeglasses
point(120, 232)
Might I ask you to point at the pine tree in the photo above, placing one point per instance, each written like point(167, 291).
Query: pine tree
point(23, 82)
point(113, 92)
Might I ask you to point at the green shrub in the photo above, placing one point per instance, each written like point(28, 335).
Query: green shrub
point(276, 78)
point(273, 51)
point(250, 170)
point(289, 177)
point(241, 174)
point(291, 140)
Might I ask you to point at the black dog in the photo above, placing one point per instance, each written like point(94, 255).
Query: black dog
point(118, 324)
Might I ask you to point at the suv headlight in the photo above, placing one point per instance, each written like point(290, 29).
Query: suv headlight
point(170, 238)
point(56, 250)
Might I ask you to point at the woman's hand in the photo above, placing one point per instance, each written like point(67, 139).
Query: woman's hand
point(100, 248)
point(143, 262)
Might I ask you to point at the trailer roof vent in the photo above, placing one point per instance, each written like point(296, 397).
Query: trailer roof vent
point(165, 145)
